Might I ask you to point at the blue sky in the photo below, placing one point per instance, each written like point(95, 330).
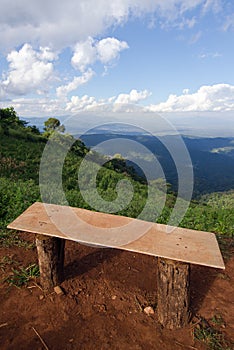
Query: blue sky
point(120, 60)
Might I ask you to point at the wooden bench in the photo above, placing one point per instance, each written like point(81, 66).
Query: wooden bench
point(175, 249)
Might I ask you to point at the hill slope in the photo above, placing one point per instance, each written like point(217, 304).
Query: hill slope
point(103, 181)
point(212, 158)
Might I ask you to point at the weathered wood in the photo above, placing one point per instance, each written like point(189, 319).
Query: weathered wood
point(173, 293)
point(53, 224)
point(50, 259)
point(88, 227)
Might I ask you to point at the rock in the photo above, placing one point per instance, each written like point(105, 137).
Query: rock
point(58, 290)
point(113, 297)
point(148, 310)
point(41, 297)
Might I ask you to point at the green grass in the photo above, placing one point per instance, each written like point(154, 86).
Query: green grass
point(213, 338)
point(217, 320)
point(23, 275)
point(6, 261)
point(20, 156)
point(9, 238)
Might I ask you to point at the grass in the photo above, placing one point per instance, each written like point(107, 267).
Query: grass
point(10, 238)
point(23, 275)
point(213, 338)
point(6, 261)
point(217, 320)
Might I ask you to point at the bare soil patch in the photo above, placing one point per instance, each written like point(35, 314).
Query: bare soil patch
point(105, 293)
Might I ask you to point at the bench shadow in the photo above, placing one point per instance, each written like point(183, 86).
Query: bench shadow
point(201, 277)
point(201, 280)
point(97, 256)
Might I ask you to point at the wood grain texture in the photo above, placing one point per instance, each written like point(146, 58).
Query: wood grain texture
point(100, 229)
point(173, 293)
point(51, 260)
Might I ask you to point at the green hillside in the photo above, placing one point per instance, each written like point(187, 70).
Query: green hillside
point(21, 150)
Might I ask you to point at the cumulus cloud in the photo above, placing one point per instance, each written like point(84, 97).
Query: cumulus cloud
point(63, 90)
point(133, 97)
point(84, 55)
point(122, 102)
point(218, 97)
point(215, 99)
point(31, 70)
point(37, 107)
point(59, 23)
point(89, 51)
point(83, 103)
point(28, 70)
point(108, 49)
point(63, 23)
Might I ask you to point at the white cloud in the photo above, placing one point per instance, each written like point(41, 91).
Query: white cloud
point(218, 97)
point(29, 70)
point(83, 103)
point(89, 51)
point(46, 54)
point(133, 97)
point(84, 55)
point(32, 70)
point(63, 23)
point(90, 104)
point(108, 49)
point(36, 107)
point(63, 90)
point(73, 24)
point(123, 102)
point(212, 100)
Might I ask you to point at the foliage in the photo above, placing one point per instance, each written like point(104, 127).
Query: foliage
point(23, 275)
point(33, 129)
point(15, 197)
point(212, 337)
point(212, 213)
point(51, 125)
point(6, 261)
point(213, 172)
point(9, 119)
point(9, 238)
point(21, 153)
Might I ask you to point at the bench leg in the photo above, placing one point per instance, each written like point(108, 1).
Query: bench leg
point(50, 259)
point(173, 293)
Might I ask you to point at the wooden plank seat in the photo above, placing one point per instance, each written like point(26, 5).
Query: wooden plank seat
point(175, 249)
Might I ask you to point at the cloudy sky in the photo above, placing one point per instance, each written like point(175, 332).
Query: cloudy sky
point(173, 58)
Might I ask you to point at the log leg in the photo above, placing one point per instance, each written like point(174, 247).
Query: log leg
point(173, 293)
point(50, 259)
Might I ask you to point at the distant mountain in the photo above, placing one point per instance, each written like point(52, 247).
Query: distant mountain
point(212, 158)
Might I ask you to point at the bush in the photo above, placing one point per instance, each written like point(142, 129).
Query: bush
point(15, 197)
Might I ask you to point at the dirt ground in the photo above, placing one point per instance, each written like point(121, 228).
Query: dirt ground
point(105, 293)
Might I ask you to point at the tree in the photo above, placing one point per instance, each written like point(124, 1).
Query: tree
point(9, 119)
point(51, 125)
point(118, 156)
point(33, 129)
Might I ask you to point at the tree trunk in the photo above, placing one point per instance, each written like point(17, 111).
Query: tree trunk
point(50, 258)
point(173, 293)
